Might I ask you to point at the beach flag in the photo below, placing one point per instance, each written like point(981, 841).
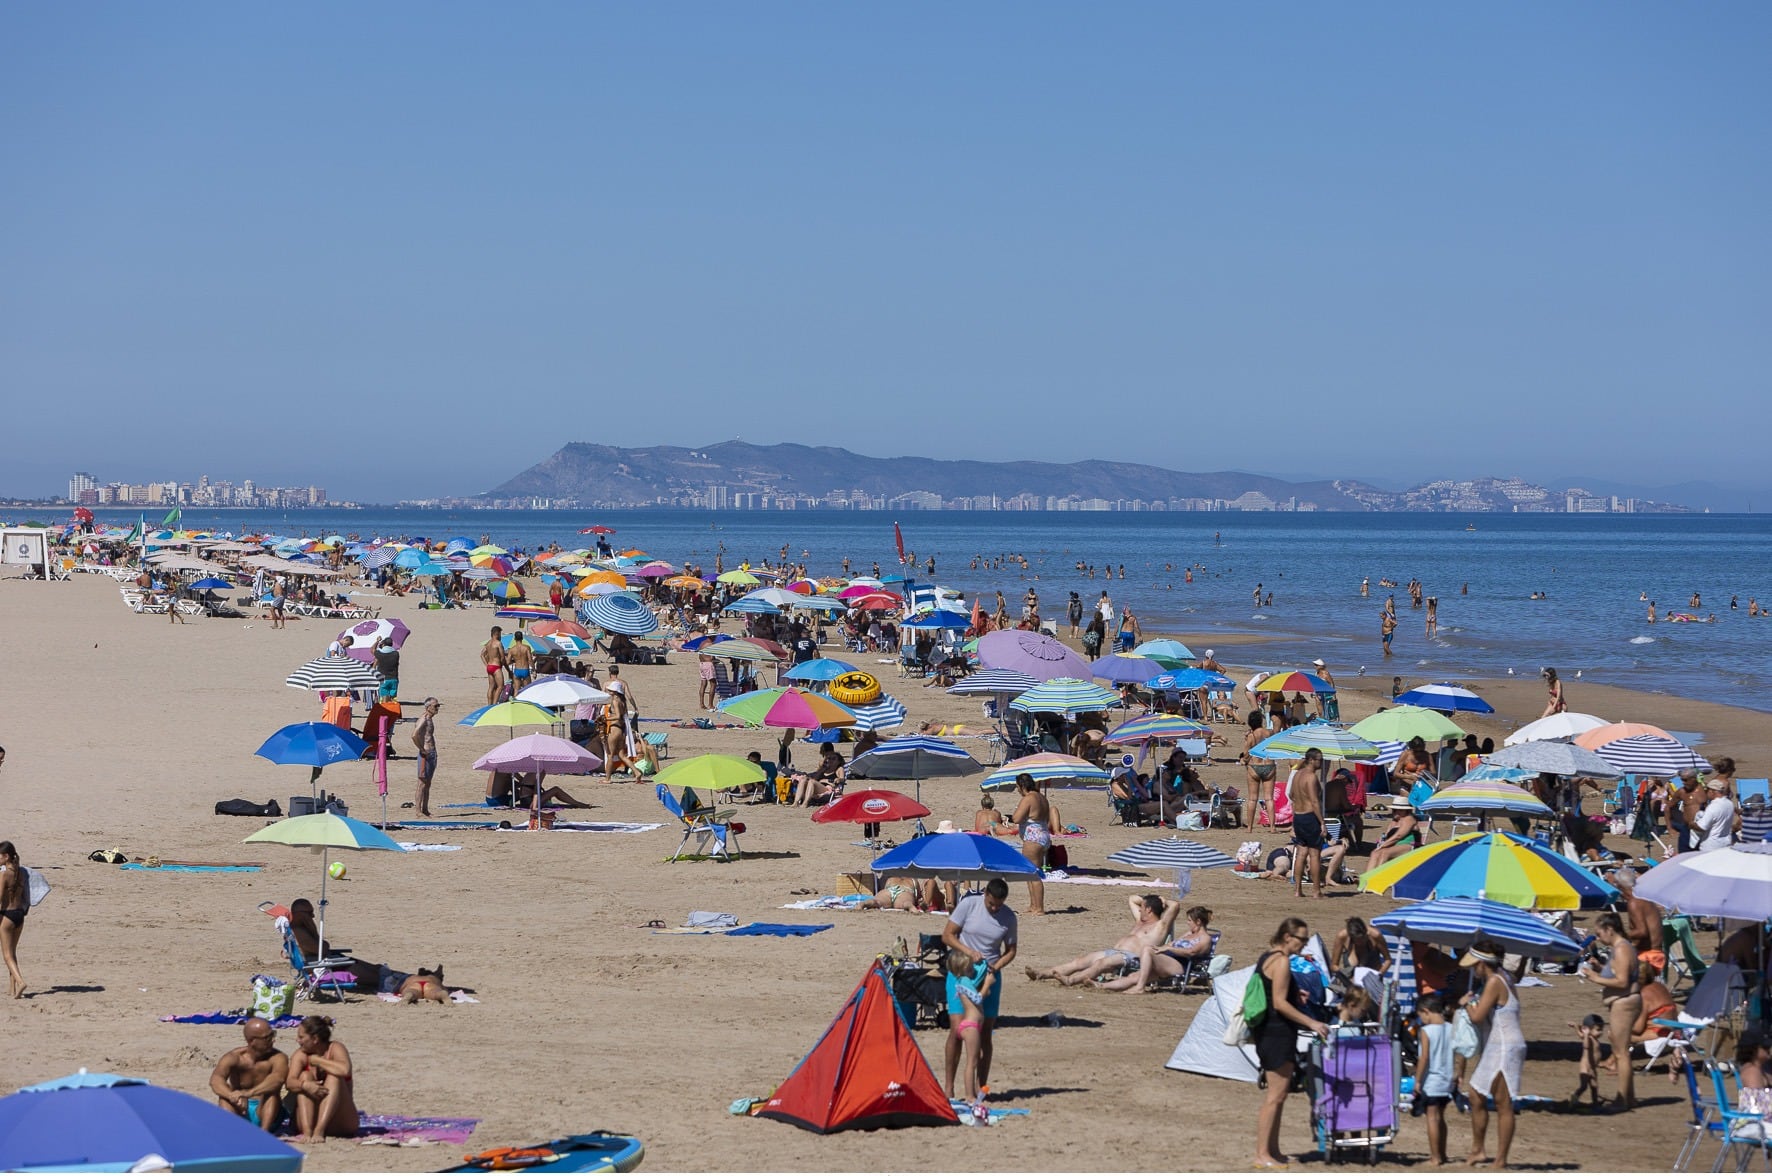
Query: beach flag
point(865, 1072)
point(172, 517)
point(135, 533)
point(898, 538)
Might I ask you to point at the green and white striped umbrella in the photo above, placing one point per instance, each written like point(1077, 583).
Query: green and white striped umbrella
point(1332, 739)
point(1066, 696)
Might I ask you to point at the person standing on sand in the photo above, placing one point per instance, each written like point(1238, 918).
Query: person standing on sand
point(1261, 773)
point(492, 656)
point(15, 903)
point(1305, 794)
point(425, 740)
point(1276, 1038)
point(985, 928)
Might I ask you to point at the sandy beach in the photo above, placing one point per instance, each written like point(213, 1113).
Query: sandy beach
point(124, 730)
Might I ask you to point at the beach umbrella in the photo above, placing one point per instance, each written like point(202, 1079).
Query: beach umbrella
point(1186, 679)
point(1730, 883)
point(885, 711)
point(656, 569)
point(559, 690)
point(1118, 667)
point(1034, 654)
point(553, 627)
point(619, 614)
point(871, 806)
point(106, 1123)
point(954, 857)
point(913, 757)
point(1400, 724)
point(432, 568)
point(540, 645)
point(1594, 738)
point(818, 604)
point(1159, 728)
point(312, 745)
point(739, 577)
point(1651, 755)
point(606, 589)
point(1490, 772)
point(1332, 739)
point(333, 673)
point(325, 831)
point(994, 682)
point(819, 669)
point(1172, 853)
point(540, 754)
point(1065, 696)
point(597, 529)
point(749, 649)
point(712, 773)
point(788, 706)
point(1504, 867)
point(1566, 725)
point(410, 557)
point(775, 598)
point(695, 644)
point(509, 715)
point(1556, 759)
point(1444, 696)
point(684, 582)
point(604, 576)
point(1457, 923)
point(526, 612)
point(1293, 682)
point(212, 583)
point(880, 601)
point(488, 549)
point(860, 588)
point(367, 634)
point(750, 606)
point(1163, 647)
point(1482, 798)
point(1046, 767)
point(940, 618)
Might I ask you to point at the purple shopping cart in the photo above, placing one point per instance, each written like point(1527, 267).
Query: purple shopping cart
point(1355, 1077)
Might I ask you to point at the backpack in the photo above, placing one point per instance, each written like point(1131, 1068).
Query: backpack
point(1256, 1001)
point(1420, 794)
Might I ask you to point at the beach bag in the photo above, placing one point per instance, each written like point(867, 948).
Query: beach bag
point(1249, 855)
point(1256, 1002)
point(1058, 857)
point(1191, 820)
point(271, 997)
point(1466, 1041)
point(1420, 794)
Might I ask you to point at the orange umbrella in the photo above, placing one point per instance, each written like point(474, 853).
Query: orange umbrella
point(549, 628)
point(1598, 737)
point(632, 553)
point(615, 578)
point(683, 582)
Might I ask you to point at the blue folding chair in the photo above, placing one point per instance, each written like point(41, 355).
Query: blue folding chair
point(709, 828)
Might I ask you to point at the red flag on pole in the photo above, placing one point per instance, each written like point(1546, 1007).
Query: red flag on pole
point(898, 538)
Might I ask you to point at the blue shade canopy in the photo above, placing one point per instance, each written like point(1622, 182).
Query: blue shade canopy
point(940, 618)
point(955, 857)
point(104, 1123)
point(1190, 680)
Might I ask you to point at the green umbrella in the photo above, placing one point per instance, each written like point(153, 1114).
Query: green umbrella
point(1400, 724)
point(712, 773)
point(324, 831)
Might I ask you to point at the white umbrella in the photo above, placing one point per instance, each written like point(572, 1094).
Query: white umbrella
point(561, 690)
point(1567, 725)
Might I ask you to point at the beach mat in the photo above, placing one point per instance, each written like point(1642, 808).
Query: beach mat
point(234, 1018)
point(403, 1129)
point(522, 826)
point(996, 1115)
point(176, 868)
point(783, 930)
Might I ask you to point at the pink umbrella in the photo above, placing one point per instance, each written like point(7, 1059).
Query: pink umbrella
point(858, 590)
point(366, 635)
point(1034, 654)
point(540, 754)
point(658, 569)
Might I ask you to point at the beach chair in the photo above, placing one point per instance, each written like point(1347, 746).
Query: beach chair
point(707, 827)
point(660, 744)
point(314, 980)
point(1741, 1129)
point(1705, 1123)
point(1200, 969)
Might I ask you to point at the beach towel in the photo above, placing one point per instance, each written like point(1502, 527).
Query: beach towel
point(826, 902)
point(401, 1129)
point(784, 930)
point(997, 1115)
point(237, 1017)
point(1082, 877)
point(715, 919)
point(169, 868)
point(426, 847)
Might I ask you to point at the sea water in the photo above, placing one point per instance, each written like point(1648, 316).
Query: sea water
point(1484, 569)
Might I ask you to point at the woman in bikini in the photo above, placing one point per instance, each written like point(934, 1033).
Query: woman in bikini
point(1555, 704)
point(320, 1083)
point(1261, 773)
point(15, 903)
point(1033, 816)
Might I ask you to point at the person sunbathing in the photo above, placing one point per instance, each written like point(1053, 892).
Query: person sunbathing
point(523, 792)
point(1132, 796)
point(822, 782)
point(898, 894)
point(988, 821)
point(1167, 963)
point(1152, 919)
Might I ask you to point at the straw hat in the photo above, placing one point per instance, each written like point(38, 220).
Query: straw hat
point(1473, 956)
point(947, 827)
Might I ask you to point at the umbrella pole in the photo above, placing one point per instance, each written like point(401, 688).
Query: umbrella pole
point(320, 947)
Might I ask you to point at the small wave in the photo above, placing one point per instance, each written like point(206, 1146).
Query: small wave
point(1423, 662)
point(1259, 617)
point(1642, 640)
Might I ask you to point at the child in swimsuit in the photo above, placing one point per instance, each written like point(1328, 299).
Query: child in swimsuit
point(973, 982)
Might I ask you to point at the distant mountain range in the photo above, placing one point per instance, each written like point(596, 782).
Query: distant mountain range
point(737, 473)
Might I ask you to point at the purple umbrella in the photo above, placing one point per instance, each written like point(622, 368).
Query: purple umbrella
point(366, 635)
point(540, 754)
point(1034, 654)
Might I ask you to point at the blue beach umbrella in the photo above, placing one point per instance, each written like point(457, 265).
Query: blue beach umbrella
point(885, 711)
point(819, 669)
point(994, 682)
point(618, 614)
point(1190, 680)
point(940, 618)
point(106, 1123)
point(954, 857)
point(1066, 696)
point(410, 557)
point(913, 757)
point(749, 604)
point(1163, 647)
point(1118, 667)
point(212, 582)
point(313, 745)
point(1332, 739)
point(1504, 867)
point(1444, 696)
point(696, 643)
point(1459, 922)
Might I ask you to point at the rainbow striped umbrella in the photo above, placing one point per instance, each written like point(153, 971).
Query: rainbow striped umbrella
point(527, 612)
point(1066, 696)
point(1044, 767)
point(1293, 682)
point(788, 706)
point(1332, 739)
point(505, 589)
point(1504, 867)
point(1147, 728)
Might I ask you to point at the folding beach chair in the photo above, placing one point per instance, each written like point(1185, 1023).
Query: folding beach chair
point(1741, 1129)
point(313, 980)
point(709, 828)
point(1705, 1122)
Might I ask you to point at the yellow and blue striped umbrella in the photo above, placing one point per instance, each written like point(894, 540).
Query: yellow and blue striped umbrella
point(1503, 867)
point(1475, 798)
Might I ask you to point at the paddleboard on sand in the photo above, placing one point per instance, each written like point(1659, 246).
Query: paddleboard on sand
point(596, 1152)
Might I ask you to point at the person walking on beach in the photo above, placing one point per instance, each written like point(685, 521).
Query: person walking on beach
point(1305, 794)
point(492, 656)
point(425, 740)
point(1074, 612)
point(1495, 1002)
point(15, 903)
point(982, 926)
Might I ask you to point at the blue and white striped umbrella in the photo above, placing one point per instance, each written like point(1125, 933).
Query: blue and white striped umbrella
point(1459, 922)
point(746, 604)
point(1556, 759)
point(1190, 680)
point(912, 757)
point(1402, 972)
point(994, 682)
point(1172, 853)
point(1066, 696)
point(1651, 755)
point(885, 711)
point(1444, 696)
point(619, 614)
point(381, 557)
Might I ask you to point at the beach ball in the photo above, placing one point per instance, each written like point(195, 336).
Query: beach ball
point(335, 871)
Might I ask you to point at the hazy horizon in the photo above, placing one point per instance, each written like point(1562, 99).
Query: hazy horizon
point(410, 250)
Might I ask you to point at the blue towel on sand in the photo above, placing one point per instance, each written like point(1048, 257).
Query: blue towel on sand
point(192, 869)
point(782, 929)
point(230, 1019)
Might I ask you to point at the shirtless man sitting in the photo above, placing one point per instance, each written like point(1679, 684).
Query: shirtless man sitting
point(254, 1071)
point(1152, 919)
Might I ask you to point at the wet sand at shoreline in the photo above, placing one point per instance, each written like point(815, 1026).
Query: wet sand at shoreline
point(125, 730)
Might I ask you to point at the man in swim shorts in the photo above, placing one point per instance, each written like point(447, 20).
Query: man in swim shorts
point(519, 659)
point(1152, 919)
point(982, 926)
point(252, 1073)
point(492, 657)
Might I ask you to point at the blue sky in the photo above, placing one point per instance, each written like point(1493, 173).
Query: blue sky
point(410, 249)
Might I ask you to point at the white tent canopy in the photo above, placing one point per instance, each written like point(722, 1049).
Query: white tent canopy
point(1202, 1049)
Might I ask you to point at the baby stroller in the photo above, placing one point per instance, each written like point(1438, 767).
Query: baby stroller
point(918, 986)
point(1354, 1080)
